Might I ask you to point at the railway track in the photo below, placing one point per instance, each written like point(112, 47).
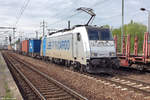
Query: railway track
point(124, 84)
point(136, 85)
point(23, 86)
point(37, 84)
point(120, 82)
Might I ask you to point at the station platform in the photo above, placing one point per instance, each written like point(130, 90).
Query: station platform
point(8, 87)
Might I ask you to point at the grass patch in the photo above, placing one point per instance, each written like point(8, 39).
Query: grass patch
point(8, 95)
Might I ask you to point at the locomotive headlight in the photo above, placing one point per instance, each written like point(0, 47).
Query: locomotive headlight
point(112, 53)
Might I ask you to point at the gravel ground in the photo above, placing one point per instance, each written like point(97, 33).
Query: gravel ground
point(144, 77)
point(89, 87)
point(8, 88)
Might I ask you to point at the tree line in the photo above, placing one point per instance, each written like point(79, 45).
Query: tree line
point(134, 29)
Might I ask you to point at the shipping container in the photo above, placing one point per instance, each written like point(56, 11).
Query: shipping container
point(19, 46)
point(34, 46)
point(25, 46)
point(44, 46)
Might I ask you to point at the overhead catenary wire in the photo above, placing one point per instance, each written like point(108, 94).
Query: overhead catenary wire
point(26, 2)
point(64, 19)
point(20, 9)
point(109, 19)
point(20, 12)
point(93, 6)
point(99, 3)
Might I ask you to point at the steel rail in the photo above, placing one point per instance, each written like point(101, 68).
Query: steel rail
point(118, 83)
point(65, 88)
point(24, 77)
point(147, 93)
point(133, 80)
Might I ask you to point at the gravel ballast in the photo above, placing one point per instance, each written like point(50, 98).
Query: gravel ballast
point(89, 87)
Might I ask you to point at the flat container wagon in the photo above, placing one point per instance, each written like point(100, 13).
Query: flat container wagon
point(25, 46)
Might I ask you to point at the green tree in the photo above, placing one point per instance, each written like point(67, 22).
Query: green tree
point(106, 26)
point(134, 29)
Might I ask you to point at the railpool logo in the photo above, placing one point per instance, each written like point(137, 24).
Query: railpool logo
point(63, 45)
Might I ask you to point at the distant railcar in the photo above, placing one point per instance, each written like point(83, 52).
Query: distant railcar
point(19, 47)
point(10, 47)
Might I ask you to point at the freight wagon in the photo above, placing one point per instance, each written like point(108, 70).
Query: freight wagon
point(43, 49)
point(19, 46)
point(25, 47)
point(34, 47)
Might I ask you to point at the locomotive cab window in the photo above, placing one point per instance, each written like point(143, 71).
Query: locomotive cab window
point(78, 36)
point(99, 34)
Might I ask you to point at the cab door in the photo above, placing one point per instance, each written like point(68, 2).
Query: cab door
point(77, 46)
point(74, 43)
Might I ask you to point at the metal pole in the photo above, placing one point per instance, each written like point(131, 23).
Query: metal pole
point(148, 32)
point(36, 34)
point(69, 24)
point(148, 28)
point(14, 33)
point(122, 29)
point(43, 28)
point(148, 22)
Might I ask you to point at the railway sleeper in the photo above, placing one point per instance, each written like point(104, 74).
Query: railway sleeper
point(51, 90)
point(44, 86)
point(57, 95)
point(62, 96)
point(54, 92)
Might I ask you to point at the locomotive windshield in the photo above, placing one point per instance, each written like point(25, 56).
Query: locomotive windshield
point(99, 34)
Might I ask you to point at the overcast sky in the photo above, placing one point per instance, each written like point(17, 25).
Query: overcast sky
point(57, 12)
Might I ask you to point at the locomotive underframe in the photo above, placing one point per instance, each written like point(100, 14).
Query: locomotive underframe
point(94, 65)
point(102, 65)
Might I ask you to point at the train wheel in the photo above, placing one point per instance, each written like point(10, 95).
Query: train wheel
point(72, 68)
point(67, 63)
point(82, 69)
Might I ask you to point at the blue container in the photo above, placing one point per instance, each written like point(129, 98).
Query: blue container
point(44, 47)
point(34, 46)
